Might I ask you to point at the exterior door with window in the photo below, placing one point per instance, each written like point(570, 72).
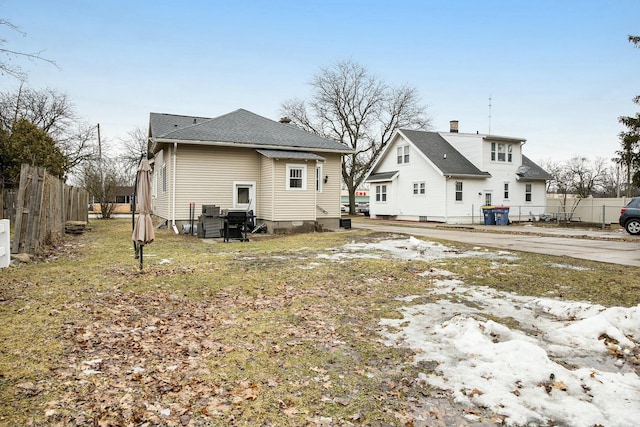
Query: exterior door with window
point(244, 195)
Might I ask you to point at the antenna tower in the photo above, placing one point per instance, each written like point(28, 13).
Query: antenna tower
point(489, 114)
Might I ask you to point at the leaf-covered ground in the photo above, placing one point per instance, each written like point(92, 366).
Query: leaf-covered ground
point(270, 332)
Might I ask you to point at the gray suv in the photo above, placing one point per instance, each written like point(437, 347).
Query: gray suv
point(630, 216)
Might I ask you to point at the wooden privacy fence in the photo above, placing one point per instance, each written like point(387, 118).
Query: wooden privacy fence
point(44, 205)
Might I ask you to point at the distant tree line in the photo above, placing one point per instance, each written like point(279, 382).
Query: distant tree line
point(41, 128)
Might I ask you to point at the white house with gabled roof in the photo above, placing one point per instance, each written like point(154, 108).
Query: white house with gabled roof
point(448, 177)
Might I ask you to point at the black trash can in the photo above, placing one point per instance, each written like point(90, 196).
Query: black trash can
point(345, 223)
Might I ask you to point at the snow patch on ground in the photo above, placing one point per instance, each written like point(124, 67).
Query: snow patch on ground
point(569, 363)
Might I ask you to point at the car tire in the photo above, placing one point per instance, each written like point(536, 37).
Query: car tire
point(633, 226)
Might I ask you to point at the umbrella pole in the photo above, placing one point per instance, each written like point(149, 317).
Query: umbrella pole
point(141, 247)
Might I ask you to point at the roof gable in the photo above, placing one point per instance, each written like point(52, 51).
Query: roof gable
point(442, 154)
point(531, 171)
point(240, 127)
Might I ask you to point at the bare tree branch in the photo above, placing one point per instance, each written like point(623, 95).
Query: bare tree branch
point(15, 70)
point(354, 107)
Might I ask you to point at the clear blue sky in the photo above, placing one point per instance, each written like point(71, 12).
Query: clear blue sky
point(559, 72)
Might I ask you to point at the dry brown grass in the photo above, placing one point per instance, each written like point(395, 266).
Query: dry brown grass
point(256, 333)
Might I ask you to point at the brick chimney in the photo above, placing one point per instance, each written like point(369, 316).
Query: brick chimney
point(453, 126)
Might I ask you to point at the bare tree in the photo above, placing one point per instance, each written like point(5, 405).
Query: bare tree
point(352, 106)
point(52, 112)
point(11, 68)
point(135, 146)
point(101, 177)
point(577, 179)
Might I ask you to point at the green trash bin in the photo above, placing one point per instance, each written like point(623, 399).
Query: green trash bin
point(502, 215)
point(489, 215)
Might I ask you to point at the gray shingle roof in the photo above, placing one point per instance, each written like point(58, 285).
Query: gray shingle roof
point(531, 171)
point(293, 155)
point(442, 154)
point(381, 176)
point(239, 127)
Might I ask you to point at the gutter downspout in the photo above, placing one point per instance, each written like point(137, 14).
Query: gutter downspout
point(446, 199)
point(173, 189)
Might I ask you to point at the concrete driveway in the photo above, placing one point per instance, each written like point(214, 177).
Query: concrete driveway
point(612, 246)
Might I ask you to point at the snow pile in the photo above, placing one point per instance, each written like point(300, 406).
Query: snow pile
point(567, 363)
point(408, 249)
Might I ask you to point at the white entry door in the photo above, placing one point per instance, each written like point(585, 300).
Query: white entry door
point(244, 196)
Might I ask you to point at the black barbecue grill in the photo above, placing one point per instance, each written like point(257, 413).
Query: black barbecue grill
point(237, 224)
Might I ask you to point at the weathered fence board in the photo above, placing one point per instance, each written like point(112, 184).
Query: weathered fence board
point(44, 204)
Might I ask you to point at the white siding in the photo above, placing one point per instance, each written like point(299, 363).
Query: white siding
point(438, 203)
point(468, 145)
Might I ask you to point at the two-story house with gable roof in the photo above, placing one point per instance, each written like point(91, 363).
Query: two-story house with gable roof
point(448, 177)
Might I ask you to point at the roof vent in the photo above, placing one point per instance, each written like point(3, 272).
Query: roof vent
point(194, 121)
point(453, 126)
point(285, 120)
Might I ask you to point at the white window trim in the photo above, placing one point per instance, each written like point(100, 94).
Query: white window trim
point(455, 192)
point(421, 187)
point(319, 178)
point(506, 188)
point(163, 172)
point(252, 187)
point(385, 193)
point(403, 154)
point(291, 166)
point(529, 193)
point(502, 149)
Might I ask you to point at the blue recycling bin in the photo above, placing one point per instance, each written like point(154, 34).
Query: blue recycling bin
point(489, 215)
point(501, 214)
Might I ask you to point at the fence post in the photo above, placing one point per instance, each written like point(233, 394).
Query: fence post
point(603, 215)
point(5, 242)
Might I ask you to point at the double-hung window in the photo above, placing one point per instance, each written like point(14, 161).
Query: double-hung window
point(527, 193)
point(403, 154)
point(381, 193)
point(296, 177)
point(319, 178)
point(506, 191)
point(163, 172)
point(501, 152)
point(419, 188)
point(458, 191)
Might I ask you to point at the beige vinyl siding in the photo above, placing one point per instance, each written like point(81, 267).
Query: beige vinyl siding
point(294, 205)
point(206, 175)
point(161, 202)
point(329, 198)
point(265, 190)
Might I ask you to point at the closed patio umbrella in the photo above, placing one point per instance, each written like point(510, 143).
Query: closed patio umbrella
point(143, 233)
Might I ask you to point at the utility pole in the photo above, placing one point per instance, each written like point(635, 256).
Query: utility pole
point(100, 161)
